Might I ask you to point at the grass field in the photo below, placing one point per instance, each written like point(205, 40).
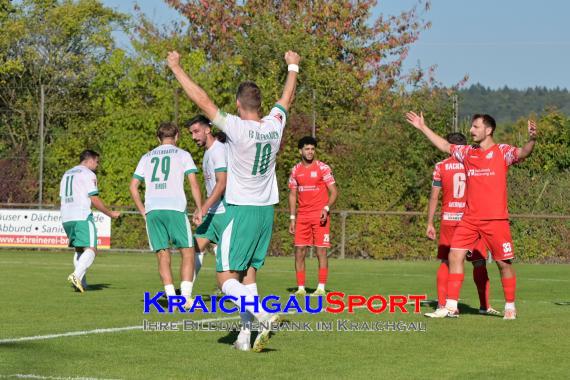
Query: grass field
point(38, 302)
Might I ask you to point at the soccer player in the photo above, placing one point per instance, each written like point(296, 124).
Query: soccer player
point(251, 190)
point(163, 170)
point(78, 190)
point(449, 179)
point(314, 182)
point(215, 167)
point(486, 215)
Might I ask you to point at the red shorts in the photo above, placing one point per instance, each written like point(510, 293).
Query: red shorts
point(478, 251)
point(310, 231)
point(495, 233)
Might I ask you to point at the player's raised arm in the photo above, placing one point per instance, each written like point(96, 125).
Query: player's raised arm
point(292, 59)
point(418, 122)
point(194, 92)
point(527, 148)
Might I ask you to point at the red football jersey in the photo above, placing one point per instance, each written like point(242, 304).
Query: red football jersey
point(486, 179)
point(311, 183)
point(449, 174)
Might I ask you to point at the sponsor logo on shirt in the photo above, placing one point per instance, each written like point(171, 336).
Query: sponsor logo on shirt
point(313, 174)
point(489, 155)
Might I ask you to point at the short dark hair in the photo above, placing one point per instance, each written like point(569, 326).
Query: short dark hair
point(487, 120)
point(87, 154)
point(249, 96)
point(200, 119)
point(166, 130)
point(307, 140)
point(221, 136)
point(456, 138)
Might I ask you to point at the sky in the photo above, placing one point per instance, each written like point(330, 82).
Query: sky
point(519, 44)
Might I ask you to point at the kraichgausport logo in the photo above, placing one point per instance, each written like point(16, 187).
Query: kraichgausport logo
point(336, 302)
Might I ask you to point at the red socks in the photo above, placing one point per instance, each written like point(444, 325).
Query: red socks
point(509, 288)
point(455, 280)
point(323, 274)
point(441, 280)
point(481, 279)
point(301, 278)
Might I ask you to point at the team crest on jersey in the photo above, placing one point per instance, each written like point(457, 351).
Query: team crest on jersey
point(313, 174)
point(489, 155)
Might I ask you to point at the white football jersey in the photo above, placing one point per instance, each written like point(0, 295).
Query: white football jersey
point(75, 189)
point(215, 161)
point(163, 170)
point(252, 152)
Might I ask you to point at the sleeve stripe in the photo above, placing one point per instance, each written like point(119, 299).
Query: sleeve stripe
point(136, 176)
point(96, 192)
point(190, 171)
point(282, 109)
point(436, 183)
point(218, 170)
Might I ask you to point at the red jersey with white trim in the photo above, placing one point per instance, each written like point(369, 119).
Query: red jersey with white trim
point(311, 183)
point(486, 179)
point(449, 174)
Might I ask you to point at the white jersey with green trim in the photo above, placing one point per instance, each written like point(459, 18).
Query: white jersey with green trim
point(252, 152)
point(75, 189)
point(215, 161)
point(163, 170)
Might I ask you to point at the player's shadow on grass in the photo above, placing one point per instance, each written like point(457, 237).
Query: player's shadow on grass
point(92, 287)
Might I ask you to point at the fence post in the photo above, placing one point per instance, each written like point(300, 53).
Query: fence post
point(41, 174)
point(343, 216)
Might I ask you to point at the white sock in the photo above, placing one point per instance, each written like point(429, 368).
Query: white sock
point(186, 289)
point(76, 257)
point(451, 304)
point(198, 260)
point(301, 287)
point(509, 306)
point(321, 286)
point(233, 287)
point(169, 290)
point(84, 262)
point(247, 318)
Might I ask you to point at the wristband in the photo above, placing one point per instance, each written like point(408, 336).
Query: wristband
point(293, 67)
point(292, 217)
point(327, 208)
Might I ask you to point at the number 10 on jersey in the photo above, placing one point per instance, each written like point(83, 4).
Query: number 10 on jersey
point(262, 158)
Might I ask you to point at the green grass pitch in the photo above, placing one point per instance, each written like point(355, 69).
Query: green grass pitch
point(37, 301)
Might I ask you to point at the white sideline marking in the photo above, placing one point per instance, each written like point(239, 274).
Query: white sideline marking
point(128, 328)
point(32, 376)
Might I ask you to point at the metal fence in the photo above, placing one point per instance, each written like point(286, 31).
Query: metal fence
point(373, 234)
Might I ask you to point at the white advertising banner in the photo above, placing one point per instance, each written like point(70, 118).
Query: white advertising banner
point(43, 228)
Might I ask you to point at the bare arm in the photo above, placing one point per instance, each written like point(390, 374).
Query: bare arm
point(432, 206)
point(291, 58)
point(217, 191)
point(197, 195)
point(292, 206)
point(99, 205)
point(333, 194)
point(418, 122)
point(527, 148)
point(194, 92)
point(134, 189)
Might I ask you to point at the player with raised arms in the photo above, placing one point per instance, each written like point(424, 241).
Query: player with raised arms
point(486, 215)
point(252, 142)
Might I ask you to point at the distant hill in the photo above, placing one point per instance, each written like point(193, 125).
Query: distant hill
point(507, 104)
